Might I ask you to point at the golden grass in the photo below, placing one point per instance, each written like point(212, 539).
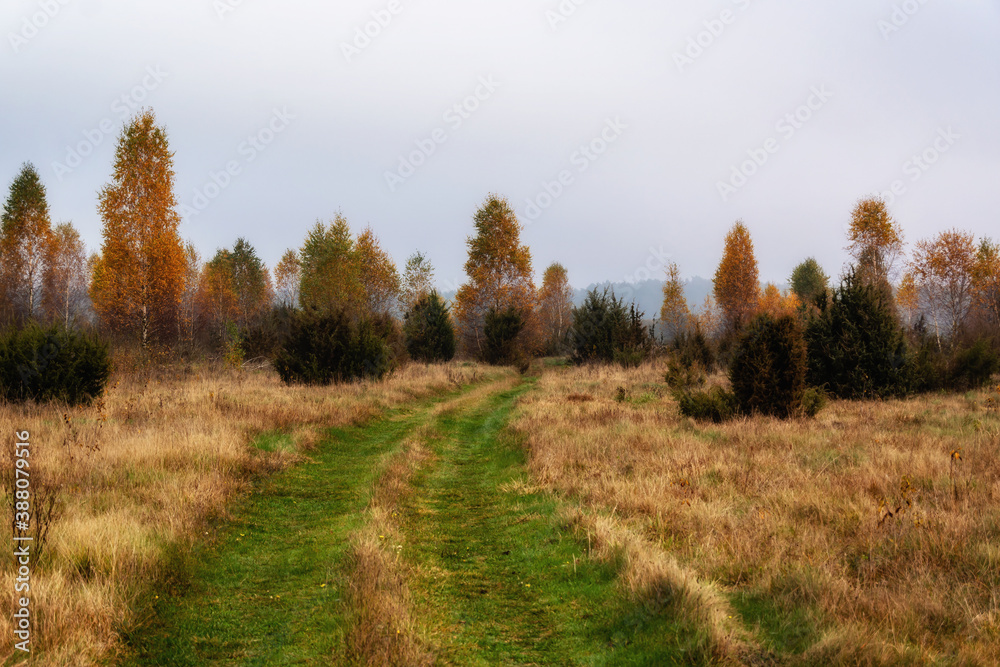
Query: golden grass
point(797, 511)
point(140, 471)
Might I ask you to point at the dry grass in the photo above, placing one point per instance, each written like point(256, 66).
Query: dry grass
point(865, 517)
point(382, 629)
point(140, 471)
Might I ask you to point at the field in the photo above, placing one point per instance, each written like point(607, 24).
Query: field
point(465, 515)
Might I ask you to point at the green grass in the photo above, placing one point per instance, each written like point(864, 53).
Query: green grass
point(500, 579)
point(495, 577)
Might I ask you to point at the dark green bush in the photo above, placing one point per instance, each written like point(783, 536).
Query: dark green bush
point(716, 404)
point(502, 327)
point(768, 370)
point(692, 348)
point(332, 348)
point(52, 363)
point(856, 347)
point(974, 366)
point(429, 332)
point(605, 330)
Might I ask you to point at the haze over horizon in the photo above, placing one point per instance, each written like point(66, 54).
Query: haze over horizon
point(613, 129)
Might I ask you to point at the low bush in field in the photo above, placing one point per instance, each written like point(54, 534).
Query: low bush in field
point(768, 371)
point(331, 348)
point(52, 363)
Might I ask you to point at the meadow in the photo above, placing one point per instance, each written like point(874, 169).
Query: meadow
point(867, 535)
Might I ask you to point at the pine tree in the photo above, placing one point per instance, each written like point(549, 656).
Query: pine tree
point(429, 332)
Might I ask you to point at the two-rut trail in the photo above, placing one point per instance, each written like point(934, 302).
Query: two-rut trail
point(470, 567)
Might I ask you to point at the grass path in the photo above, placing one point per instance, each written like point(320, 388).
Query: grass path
point(493, 577)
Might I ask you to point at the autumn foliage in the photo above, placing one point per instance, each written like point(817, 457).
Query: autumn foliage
point(500, 277)
point(737, 287)
point(555, 307)
point(139, 279)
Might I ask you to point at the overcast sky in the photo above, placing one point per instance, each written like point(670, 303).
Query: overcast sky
point(642, 108)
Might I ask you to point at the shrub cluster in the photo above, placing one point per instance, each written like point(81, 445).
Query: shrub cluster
point(501, 331)
point(856, 347)
point(957, 367)
point(327, 348)
point(768, 370)
point(52, 363)
point(605, 330)
point(429, 332)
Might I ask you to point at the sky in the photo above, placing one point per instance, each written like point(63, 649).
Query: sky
point(625, 134)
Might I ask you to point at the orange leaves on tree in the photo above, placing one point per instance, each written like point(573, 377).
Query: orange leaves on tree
point(876, 240)
point(944, 268)
point(499, 271)
point(737, 287)
point(776, 304)
point(139, 278)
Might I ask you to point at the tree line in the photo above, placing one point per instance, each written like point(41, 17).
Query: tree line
point(149, 288)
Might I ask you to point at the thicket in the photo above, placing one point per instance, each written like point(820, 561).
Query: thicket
point(856, 347)
point(328, 348)
point(428, 330)
point(52, 363)
point(606, 330)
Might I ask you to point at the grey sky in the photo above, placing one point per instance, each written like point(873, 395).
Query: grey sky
point(883, 90)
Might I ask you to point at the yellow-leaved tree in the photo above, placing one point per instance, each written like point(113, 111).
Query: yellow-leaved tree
point(674, 313)
point(287, 275)
point(329, 274)
point(500, 277)
point(138, 281)
point(736, 282)
point(378, 275)
point(65, 276)
point(944, 268)
point(555, 307)
point(876, 242)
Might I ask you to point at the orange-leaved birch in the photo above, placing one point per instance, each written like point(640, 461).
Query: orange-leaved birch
point(986, 279)
point(876, 241)
point(736, 282)
point(944, 268)
point(139, 280)
point(500, 275)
